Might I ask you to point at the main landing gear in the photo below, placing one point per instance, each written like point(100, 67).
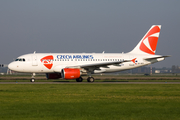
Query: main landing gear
point(32, 78)
point(89, 79)
point(80, 79)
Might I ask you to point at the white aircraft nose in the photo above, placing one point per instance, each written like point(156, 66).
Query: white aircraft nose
point(12, 66)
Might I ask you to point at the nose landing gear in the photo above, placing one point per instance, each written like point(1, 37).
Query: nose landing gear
point(32, 78)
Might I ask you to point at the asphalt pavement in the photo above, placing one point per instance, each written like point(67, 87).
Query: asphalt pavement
point(89, 83)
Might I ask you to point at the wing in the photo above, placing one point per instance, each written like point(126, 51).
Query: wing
point(96, 66)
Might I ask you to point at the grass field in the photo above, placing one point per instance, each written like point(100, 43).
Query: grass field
point(89, 101)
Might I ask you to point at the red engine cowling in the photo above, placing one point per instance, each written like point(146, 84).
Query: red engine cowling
point(53, 75)
point(70, 73)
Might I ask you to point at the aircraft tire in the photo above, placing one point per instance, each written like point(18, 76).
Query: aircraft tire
point(90, 79)
point(32, 80)
point(80, 79)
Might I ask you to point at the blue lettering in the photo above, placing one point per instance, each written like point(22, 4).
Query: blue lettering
point(85, 56)
point(69, 57)
point(62, 56)
point(91, 57)
point(75, 56)
point(58, 56)
point(79, 56)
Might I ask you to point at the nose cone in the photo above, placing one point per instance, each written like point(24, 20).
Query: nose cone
point(12, 66)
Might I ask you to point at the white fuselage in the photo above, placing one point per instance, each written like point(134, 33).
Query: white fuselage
point(55, 62)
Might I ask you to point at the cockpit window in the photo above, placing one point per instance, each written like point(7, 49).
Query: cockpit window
point(20, 59)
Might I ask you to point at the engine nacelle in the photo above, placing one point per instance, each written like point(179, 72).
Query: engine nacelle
point(53, 75)
point(70, 73)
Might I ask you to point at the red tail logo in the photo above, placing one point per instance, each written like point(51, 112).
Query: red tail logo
point(149, 42)
point(47, 61)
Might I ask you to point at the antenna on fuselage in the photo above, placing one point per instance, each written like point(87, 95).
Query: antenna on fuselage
point(103, 52)
point(34, 52)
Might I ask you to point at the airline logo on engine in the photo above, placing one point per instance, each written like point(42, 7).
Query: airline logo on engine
point(75, 57)
point(47, 61)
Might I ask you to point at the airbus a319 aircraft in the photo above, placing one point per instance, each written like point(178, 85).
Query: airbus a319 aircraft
point(75, 65)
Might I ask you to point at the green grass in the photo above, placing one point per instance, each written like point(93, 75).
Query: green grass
point(89, 101)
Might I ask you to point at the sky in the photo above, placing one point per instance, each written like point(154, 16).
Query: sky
point(76, 26)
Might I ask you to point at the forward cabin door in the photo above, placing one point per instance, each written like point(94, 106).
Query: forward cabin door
point(34, 60)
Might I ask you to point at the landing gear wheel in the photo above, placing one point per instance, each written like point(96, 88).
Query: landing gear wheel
point(90, 79)
point(32, 80)
point(79, 79)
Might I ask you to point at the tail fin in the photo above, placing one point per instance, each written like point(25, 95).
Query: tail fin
point(148, 43)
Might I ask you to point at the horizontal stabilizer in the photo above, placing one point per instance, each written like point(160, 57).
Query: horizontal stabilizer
point(151, 58)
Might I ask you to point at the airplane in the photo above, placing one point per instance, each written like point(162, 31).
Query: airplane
point(76, 65)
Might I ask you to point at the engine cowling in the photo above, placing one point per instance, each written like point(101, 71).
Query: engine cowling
point(53, 75)
point(70, 73)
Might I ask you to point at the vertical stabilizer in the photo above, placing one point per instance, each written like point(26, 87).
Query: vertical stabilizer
point(148, 43)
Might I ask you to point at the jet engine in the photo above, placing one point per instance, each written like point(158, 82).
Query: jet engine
point(53, 75)
point(70, 73)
